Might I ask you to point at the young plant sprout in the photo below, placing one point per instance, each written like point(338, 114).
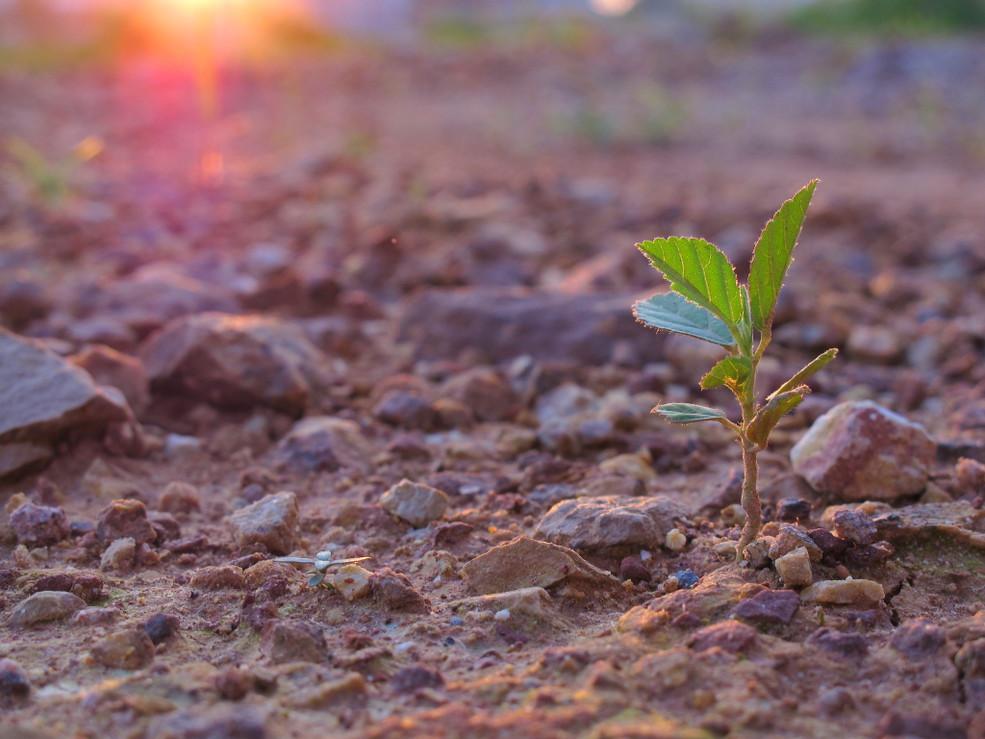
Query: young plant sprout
point(707, 302)
point(321, 562)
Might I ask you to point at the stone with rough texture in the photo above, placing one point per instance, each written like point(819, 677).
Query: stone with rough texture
point(323, 444)
point(415, 503)
point(610, 523)
point(860, 450)
point(119, 555)
point(220, 577)
point(235, 362)
point(352, 581)
point(226, 721)
point(525, 563)
point(125, 518)
point(511, 323)
point(39, 526)
point(794, 568)
point(271, 522)
point(294, 641)
point(769, 607)
point(730, 636)
point(44, 606)
point(129, 649)
point(42, 397)
point(844, 592)
point(110, 367)
point(529, 604)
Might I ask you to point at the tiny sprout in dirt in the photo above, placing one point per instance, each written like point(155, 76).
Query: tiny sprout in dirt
point(707, 302)
point(320, 565)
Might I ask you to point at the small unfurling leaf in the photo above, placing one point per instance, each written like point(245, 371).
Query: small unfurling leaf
point(730, 372)
point(769, 415)
point(689, 413)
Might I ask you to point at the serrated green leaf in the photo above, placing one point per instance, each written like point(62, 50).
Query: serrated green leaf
point(773, 254)
point(671, 312)
point(689, 413)
point(806, 372)
point(700, 272)
point(732, 372)
point(769, 415)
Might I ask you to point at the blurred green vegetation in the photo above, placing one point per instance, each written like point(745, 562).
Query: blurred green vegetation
point(891, 17)
point(458, 32)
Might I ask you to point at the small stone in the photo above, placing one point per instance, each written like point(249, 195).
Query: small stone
point(854, 526)
point(294, 641)
point(395, 592)
point(838, 642)
point(757, 552)
point(352, 581)
point(970, 476)
point(233, 684)
point(733, 515)
point(179, 497)
point(14, 683)
point(415, 503)
point(844, 592)
point(731, 636)
point(793, 510)
point(323, 444)
point(918, 639)
point(406, 410)
point(119, 556)
point(265, 571)
point(228, 722)
point(129, 649)
point(125, 518)
point(769, 607)
point(675, 540)
point(502, 615)
point(44, 606)
point(632, 568)
point(271, 522)
point(794, 568)
point(686, 579)
point(95, 616)
point(791, 537)
point(222, 577)
point(414, 678)
point(830, 545)
point(160, 627)
point(39, 526)
point(725, 549)
point(862, 451)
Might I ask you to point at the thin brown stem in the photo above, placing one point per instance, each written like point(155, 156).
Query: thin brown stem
point(750, 499)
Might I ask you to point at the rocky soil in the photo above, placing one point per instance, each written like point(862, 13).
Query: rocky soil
point(380, 307)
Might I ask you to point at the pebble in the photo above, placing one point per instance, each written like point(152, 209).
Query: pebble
point(794, 568)
point(769, 607)
point(730, 636)
point(221, 577)
point(14, 683)
point(733, 515)
point(119, 556)
point(502, 615)
point(95, 616)
point(271, 522)
point(415, 503)
point(352, 581)
point(394, 591)
point(129, 649)
point(293, 641)
point(675, 540)
point(39, 526)
point(233, 684)
point(125, 518)
point(160, 627)
point(179, 497)
point(844, 592)
point(792, 537)
point(861, 451)
point(793, 510)
point(854, 526)
point(686, 579)
point(44, 606)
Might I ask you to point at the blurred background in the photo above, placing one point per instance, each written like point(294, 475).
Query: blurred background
point(159, 151)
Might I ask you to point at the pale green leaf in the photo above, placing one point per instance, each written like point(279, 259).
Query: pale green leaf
point(732, 372)
point(671, 312)
point(773, 254)
point(805, 373)
point(689, 413)
point(770, 414)
point(700, 272)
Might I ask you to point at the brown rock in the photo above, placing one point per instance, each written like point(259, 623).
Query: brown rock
point(129, 649)
point(222, 577)
point(179, 497)
point(39, 526)
point(271, 522)
point(235, 361)
point(226, 721)
point(610, 523)
point(323, 443)
point(524, 563)
point(294, 641)
point(730, 636)
point(395, 592)
point(860, 450)
point(44, 606)
point(485, 392)
point(769, 607)
point(125, 518)
point(415, 503)
point(110, 367)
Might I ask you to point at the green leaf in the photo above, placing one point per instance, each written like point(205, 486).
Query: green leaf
point(700, 272)
point(689, 413)
point(769, 415)
point(773, 254)
point(732, 372)
point(671, 312)
point(316, 579)
point(805, 373)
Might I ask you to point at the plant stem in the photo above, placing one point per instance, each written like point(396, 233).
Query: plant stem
point(750, 498)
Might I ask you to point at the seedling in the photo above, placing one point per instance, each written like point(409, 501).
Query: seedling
point(320, 564)
point(707, 302)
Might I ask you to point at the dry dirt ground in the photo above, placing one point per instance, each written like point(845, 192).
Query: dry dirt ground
point(418, 265)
